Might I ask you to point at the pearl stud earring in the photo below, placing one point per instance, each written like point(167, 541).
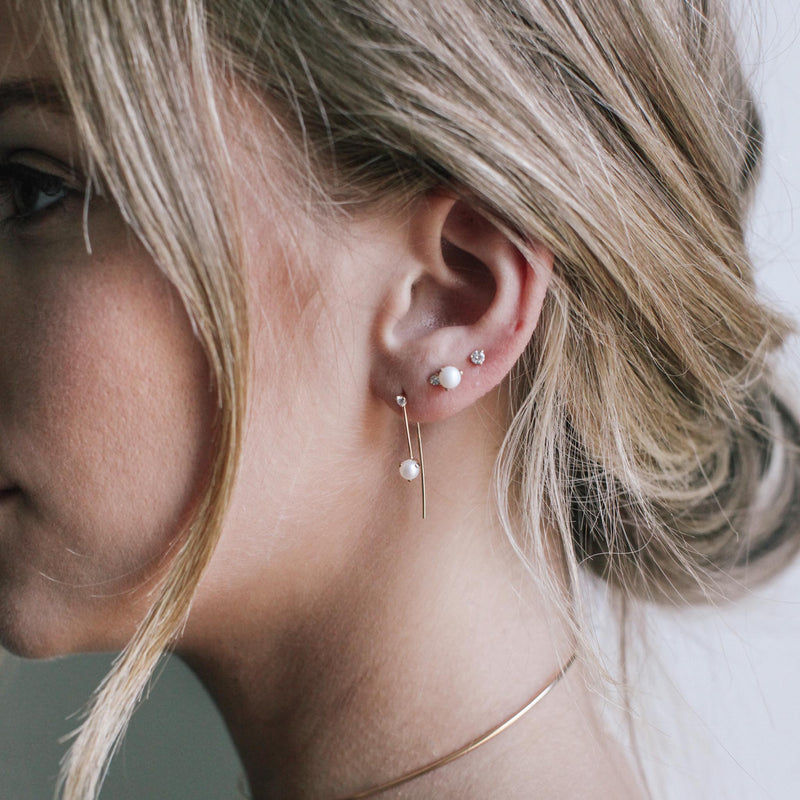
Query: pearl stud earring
point(411, 468)
point(446, 377)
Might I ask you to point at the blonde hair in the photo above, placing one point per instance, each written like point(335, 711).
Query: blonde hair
point(620, 133)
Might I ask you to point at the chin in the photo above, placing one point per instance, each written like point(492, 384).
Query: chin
point(24, 641)
point(36, 631)
point(36, 645)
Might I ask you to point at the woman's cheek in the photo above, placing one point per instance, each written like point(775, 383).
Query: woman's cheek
point(108, 424)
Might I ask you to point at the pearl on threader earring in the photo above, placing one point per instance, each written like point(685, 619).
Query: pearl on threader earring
point(409, 469)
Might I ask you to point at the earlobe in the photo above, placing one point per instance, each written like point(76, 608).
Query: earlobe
point(458, 313)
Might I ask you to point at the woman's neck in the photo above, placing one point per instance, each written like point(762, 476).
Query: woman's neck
point(405, 641)
point(398, 666)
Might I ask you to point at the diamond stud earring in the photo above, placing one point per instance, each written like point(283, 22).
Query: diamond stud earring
point(477, 357)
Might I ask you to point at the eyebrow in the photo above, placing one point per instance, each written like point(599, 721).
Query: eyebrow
point(32, 92)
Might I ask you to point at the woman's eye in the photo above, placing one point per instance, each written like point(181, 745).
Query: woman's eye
point(26, 192)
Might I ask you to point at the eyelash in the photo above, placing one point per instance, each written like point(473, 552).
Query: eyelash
point(15, 178)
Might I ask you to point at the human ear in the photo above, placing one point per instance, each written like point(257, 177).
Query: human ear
point(462, 285)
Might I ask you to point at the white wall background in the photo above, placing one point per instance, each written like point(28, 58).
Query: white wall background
point(721, 690)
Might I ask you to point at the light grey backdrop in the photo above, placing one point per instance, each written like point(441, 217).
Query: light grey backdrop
point(721, 691)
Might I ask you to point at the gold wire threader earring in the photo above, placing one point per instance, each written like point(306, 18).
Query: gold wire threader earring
point(411, 468)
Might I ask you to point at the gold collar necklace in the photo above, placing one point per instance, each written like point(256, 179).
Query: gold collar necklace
point(470, 746)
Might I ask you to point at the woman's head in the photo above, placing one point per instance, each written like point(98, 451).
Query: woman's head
point(240, 139)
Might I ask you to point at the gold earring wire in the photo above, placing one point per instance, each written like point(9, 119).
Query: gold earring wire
point(408, 467)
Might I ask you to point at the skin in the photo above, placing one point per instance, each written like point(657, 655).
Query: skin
point(96, 355)
point(344, 640)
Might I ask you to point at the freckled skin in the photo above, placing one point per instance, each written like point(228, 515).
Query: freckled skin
point(105, 416)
